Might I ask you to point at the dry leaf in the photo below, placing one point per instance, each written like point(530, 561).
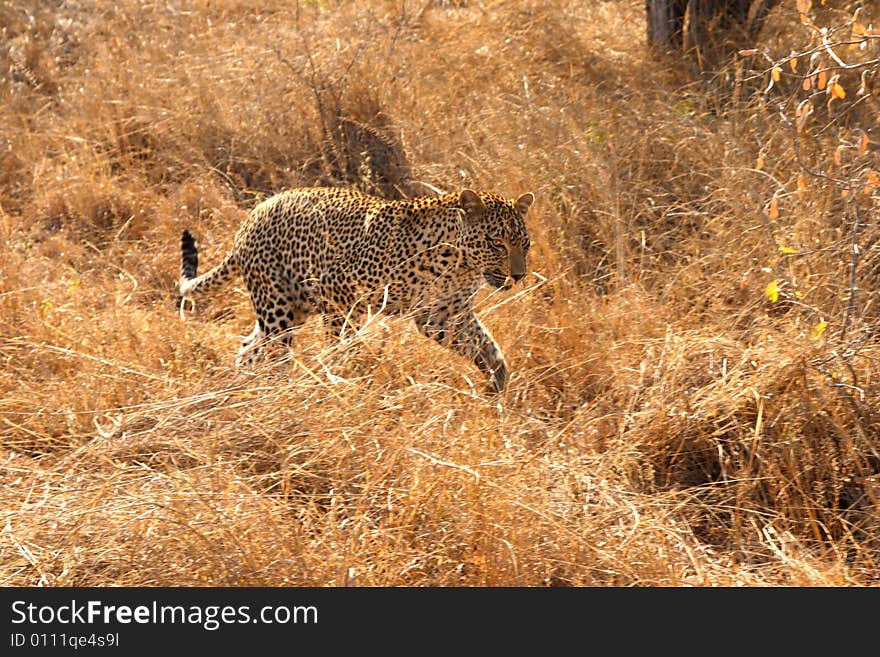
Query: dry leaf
point(802, 113)
point(873, 181)
point(773, 210)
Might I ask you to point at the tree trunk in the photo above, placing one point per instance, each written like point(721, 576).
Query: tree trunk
point(665, 22)
point(722, 23)
point(701, 26)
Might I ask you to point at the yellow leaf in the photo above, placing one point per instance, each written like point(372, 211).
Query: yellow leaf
point(863, 143)
point(808, 84)
point(804, 6)
point(776, 73)
point(793, 64)
point(772, 291)
point(858, 29)
point(822, 80)
point(787, 249)
point(818, 330)
point(760, 163)
point(802, 183)
point(837, 91)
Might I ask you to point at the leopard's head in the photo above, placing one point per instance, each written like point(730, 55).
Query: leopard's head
point(495, 237)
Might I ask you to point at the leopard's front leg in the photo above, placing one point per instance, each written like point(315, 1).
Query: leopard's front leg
point(464, 333)
point(338, 302)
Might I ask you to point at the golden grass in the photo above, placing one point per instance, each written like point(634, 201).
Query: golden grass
point(665, 423)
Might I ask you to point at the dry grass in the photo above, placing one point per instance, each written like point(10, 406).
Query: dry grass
point(665, 424)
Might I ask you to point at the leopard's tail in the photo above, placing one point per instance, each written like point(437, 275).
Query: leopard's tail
point(190, 283)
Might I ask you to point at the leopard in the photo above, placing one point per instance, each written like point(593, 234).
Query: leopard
point(348, 256)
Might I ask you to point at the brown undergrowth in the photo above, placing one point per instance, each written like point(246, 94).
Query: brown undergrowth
point(668, 422)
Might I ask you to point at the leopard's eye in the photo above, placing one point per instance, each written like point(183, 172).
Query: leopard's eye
point(497, 243)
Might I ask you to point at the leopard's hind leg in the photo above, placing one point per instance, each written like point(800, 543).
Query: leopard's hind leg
point(279, 307)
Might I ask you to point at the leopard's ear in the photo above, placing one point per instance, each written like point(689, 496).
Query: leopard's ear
point(524, 202)
point(472, 204)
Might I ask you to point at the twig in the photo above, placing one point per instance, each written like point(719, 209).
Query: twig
point(852, 270)
point(816, 174)
point(448, 464)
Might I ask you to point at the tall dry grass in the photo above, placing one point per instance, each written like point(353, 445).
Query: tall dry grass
point(665, 425)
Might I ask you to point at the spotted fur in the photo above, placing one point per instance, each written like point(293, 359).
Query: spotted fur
point(343, 254)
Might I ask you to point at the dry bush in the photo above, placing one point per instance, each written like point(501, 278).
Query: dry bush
point(669, 421)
